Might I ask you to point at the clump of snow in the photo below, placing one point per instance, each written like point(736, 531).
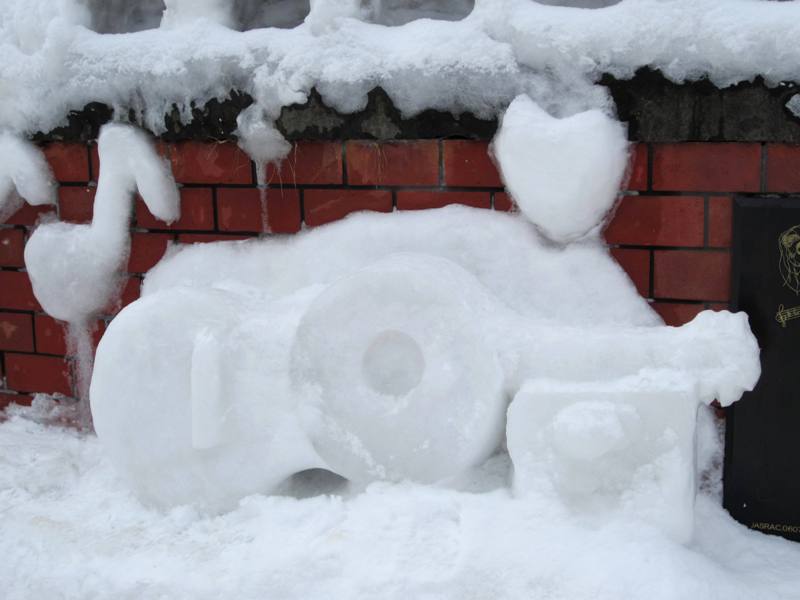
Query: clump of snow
point(178, 13)
point(72, 529)
point(73, 267)
point(39, 27)
point(564, 174)
point(378, 347)
point(623, 445)
point(794, 105)
point(24, 176)
point(259, 138)
point(326, 15)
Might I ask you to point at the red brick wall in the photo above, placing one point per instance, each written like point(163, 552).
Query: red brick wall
point(671, 231)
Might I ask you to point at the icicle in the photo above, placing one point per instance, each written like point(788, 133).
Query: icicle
point(264, 144)
point(261, 184)
point(80, 344)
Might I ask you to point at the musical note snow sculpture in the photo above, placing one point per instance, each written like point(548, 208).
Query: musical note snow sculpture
point(24, 176)
point(74, 269)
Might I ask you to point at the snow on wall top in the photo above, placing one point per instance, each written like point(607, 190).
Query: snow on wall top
point(54, 63)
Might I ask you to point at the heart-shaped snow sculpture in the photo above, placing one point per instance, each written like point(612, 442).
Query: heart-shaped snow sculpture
point(564, 174)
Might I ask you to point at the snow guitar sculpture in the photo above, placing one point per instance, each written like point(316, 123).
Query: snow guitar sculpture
point(402, 346)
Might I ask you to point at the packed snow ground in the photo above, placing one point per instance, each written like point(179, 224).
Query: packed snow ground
point(71, 529)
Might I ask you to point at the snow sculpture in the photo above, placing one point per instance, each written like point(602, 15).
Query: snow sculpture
point(24, 175)
point(75, 269)
point(387, 347)
point(564, 174)
point(72, 267)
point(370, 361)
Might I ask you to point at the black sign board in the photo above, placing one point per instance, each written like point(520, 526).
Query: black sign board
point(762, 446)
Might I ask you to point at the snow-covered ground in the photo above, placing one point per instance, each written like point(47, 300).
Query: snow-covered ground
point(69, 528)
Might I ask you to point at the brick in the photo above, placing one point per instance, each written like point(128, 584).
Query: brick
point(146, 250)
point(29, 215)
point(324, 206)
point(239, 209)
point(504, 202)
point(676, 314)
point(638, 168)
point(692, 275)
point(51, 335)
point(69, 161)
point(720, 221)
point(7, 399)
point(16, 332)
point(36, 373)
point(393, 163)
point(636, 263)
point(131, 288)
point(467, 163)
point(203, 162)
point(658, 221)
point(283, 210)
point(707, 167)
point(205, 238)
point(76, 204)
point(12, 246)
point(783, 168)
point(309, 163)
point(197, 212)
point(16, 291)
point(422, 199)
point(94, 162)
